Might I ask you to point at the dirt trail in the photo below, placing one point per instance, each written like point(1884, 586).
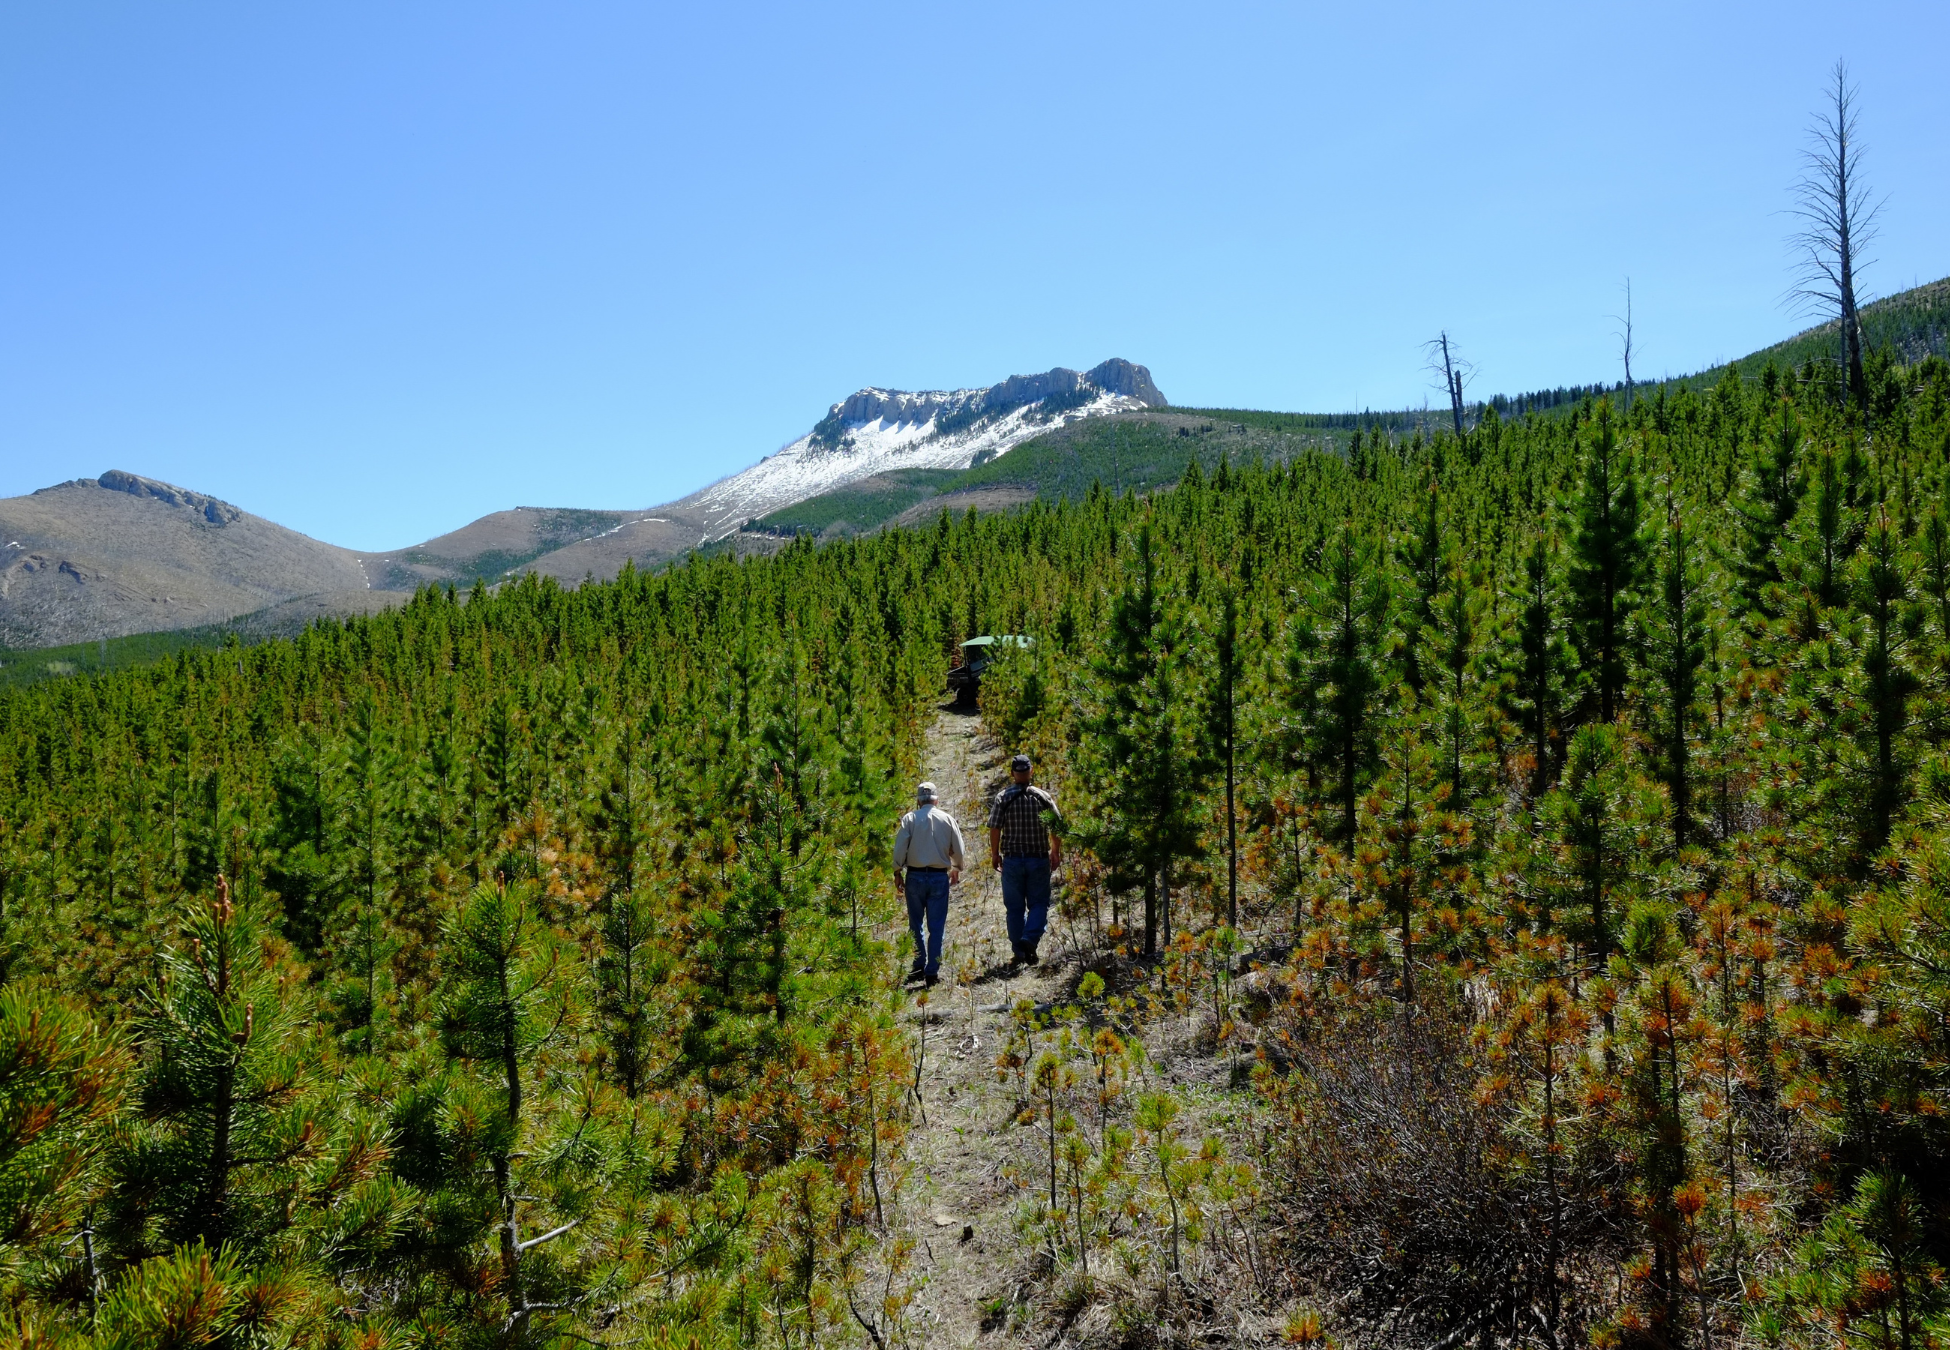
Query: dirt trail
point(969, 1159)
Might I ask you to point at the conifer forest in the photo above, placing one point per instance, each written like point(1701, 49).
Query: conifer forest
point(1539, 835)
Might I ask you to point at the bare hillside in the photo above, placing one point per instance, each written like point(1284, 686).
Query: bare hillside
point(488, 548)
point(121, 554)
point(103, 557)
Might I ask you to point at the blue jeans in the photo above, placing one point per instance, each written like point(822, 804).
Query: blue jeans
point(1025, 898)
point(927, 895)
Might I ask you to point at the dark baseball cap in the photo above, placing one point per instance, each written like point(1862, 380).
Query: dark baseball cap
point(1019, 763)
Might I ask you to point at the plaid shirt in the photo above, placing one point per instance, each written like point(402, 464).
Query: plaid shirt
point(1020, 813)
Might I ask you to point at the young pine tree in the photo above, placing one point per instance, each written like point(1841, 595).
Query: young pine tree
point(1933, 579)
point(509, 1012)
point(233, 1138)
point(1538, 665)
point(1409, 836)
point(1675, 644)
point(1831, 534)
point(1608, 563)
point(1596, 818)
point(633, 965)
point(1771, 491)
point(1423, 560)
point(1869, 1277)
point(1455, 662)
point(61, 1083)
point(1933, 548)
point(1886, 682)
point(1659, 1031)
point(764, 949)
point(1222, 704)
point(1141, 733)
point(1337, 676)
point(363, 945)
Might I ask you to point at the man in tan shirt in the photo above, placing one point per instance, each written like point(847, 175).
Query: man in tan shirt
point(928, 850)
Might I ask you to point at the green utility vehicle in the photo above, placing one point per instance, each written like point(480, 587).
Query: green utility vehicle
point(965, 680)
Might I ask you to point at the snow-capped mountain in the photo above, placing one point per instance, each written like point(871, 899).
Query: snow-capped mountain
point(876, 430)
point(78, 562)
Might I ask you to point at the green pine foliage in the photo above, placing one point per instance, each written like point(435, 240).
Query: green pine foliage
point(1542, 831)
point(1145, 746)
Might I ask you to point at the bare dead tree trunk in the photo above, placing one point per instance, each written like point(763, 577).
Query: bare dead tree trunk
point(1448, 366)
point(1835, 205)
point(1454, 380)
point(1625, 344)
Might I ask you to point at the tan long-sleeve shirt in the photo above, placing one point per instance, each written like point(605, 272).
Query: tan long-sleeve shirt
point(928, 837)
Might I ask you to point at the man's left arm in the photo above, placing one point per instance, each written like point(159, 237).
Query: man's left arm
point(1055, 827)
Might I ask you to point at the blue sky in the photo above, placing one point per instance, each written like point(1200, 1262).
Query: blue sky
point(372, 270)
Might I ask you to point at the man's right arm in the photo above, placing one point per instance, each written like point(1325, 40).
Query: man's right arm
point(957, 856)
point(901, 838)
point(995, 846)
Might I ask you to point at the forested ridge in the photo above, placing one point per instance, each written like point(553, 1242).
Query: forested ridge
point(1541, 833)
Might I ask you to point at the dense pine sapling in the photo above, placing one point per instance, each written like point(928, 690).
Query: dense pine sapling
point(1423, 559)
point(1222, 704)
point(1675, 645)
point(1338, 666)
point(507, 1001)
point(1140, 732)
point(1771, 491)
point(1595, 818)
point(1607, 566)
point(1539, 663)
point(1887, 683)
point(61, 1085)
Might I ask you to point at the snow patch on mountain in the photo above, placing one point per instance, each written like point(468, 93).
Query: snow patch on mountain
point(878, 430)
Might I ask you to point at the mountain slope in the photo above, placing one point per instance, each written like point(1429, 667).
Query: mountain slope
point(489, 548)
point(1912, 324)
point(1131, 451)
point(102, 557)
point(1149, 448)
point(873, 432)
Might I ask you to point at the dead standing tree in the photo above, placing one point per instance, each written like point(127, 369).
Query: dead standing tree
point(1626, 347)
point(1449, 367)
point(1834, 203)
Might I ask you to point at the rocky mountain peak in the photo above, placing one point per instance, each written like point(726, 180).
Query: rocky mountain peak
point(1118, 376)
point(957, 408)
point(216, 512)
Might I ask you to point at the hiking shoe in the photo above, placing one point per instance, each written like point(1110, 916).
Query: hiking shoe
point(1029, 957)
point(930, 981)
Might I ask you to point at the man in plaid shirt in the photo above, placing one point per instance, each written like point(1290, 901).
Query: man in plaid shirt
point(1026, 849)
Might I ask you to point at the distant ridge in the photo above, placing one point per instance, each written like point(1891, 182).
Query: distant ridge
point(121, 554)
point(870, 432)
point(102, 557)
point(98, 558)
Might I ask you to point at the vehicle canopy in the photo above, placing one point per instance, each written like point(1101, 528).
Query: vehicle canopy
point(976, 653)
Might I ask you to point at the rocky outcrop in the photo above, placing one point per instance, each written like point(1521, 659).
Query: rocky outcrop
point(1117, 376)
point(896, 407)
point(101, 557)
point(1018, 390)
point(216, 512)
